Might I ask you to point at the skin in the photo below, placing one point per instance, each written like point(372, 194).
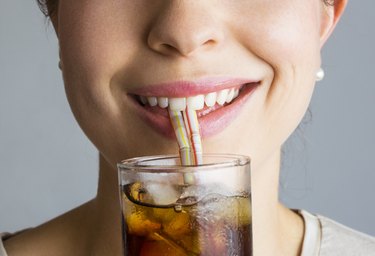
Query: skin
point(108, 48)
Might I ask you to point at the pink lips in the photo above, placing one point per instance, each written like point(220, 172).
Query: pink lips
point(212, 121)
point(191, 88)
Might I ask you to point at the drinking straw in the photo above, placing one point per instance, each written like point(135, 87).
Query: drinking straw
point(192, 124)
point(185, 122)
point(177, 121)
point(183, 141)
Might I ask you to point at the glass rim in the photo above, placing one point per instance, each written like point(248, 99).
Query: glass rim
point(134, 164)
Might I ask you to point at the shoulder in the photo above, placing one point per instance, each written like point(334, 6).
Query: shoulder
point(2, 249)
point(338, 239)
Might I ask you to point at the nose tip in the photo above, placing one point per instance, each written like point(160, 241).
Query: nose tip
point(182, 30)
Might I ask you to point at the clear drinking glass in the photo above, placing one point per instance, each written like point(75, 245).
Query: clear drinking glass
point(170, 209)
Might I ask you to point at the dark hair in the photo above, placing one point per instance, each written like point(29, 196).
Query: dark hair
point(49, 7)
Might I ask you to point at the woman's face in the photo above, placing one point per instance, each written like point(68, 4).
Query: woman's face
point(115, 51)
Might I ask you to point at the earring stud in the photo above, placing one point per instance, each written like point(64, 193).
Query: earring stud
point(320, 75)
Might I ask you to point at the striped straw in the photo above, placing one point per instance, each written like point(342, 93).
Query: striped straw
point(183, 130)
point(177, 121)
point(192, 124)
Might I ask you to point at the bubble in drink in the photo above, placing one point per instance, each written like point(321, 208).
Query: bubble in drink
point(214, 224)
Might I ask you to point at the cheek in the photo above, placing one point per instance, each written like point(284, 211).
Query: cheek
point(89, 60)
point(278, 37)
point(91, 64)
point(279, 32)
point(84, 36)
point(286, 33)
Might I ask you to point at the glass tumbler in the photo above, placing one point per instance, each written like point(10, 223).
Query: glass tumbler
point(171, 209)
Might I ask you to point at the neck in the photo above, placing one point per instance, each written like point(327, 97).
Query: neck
point(276, 229)
point(107, 239)
point(265, 206)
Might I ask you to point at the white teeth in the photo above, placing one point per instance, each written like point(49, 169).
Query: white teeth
point(143, 100)
point(152, 101)
point(163, 102)
point(236, 92)
point(196, 102)
point(210, 99)
point(177, 104)
point(230, 96)
point(222, 97)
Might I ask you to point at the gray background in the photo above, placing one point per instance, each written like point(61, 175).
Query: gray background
point(47, 166)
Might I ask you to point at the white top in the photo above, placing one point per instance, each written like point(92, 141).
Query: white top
point(313, 234)
point(323, 237)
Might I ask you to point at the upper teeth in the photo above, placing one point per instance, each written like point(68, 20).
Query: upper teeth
point(195, 102)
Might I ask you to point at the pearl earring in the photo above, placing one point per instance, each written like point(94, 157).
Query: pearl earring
point(60, 65)
point(320, 75)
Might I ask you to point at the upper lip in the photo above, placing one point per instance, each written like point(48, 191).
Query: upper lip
point(185, 88)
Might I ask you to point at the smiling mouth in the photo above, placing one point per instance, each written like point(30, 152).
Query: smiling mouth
point(217, 103)
point(202, 103)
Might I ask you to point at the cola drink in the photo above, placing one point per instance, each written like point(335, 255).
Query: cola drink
point(209, 224)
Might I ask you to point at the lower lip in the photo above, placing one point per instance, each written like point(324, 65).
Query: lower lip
point(210, 124)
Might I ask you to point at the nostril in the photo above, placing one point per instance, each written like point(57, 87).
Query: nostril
point(169, 48)
point(210, 42)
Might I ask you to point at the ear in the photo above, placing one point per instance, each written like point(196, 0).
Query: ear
point(330, 15)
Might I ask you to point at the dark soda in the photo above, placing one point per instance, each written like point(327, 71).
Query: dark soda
point(212, 225)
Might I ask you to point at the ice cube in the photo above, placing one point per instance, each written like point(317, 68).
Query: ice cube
point(139, 224)
point(178, 226)
point(235, 211)
point(129, 207)
point(163, 214)
point(161, 193)
point(136, 192)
